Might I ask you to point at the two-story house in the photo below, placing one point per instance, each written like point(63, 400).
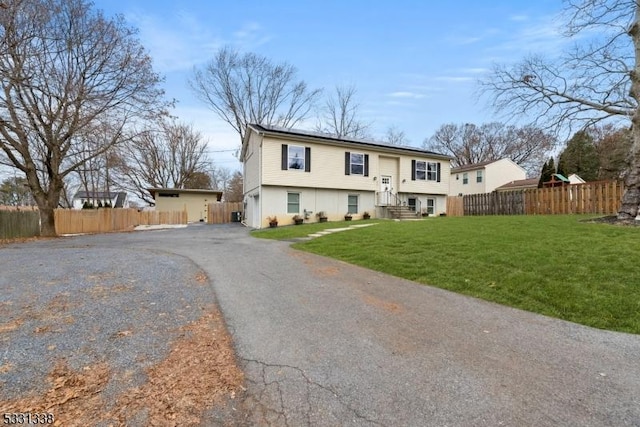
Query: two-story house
point(484, 177)
point(291, 172)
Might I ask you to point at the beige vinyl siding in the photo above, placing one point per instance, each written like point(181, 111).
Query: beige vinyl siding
point(406, 185)
point(327, 167)
point(195, 204)
point(389, 166)
point(251, 163)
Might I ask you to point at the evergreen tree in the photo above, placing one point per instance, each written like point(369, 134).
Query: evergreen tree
point(580, 157)
point(547, 170)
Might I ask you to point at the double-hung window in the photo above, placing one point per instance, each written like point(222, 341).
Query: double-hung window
point(352, 204)
point(465, 178)
point(296, 157)
point(293, 203)
point(425, 171)
point(479, 176)
point(432, 171)
point(356, 164)
point(421, 171)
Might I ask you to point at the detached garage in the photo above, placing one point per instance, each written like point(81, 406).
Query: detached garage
point(195, 202)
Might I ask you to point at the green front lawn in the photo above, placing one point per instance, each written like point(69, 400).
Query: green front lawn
point(554, 265)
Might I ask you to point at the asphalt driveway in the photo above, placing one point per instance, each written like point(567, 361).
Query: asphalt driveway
point(325, 343)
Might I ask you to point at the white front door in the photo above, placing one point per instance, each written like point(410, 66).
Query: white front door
point(385, 190)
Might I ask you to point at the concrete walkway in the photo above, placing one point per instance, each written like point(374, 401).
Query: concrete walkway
point(337, 230)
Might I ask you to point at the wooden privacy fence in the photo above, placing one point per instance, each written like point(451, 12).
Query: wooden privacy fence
point(19, 223)
point(220, 213)
point(496, 203)
point(602, 197)
point(70, 221)
point(455, 206)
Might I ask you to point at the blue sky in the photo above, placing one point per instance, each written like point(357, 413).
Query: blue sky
point(415, 64)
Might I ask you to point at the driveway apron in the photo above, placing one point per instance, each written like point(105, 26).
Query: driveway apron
point(326, 343)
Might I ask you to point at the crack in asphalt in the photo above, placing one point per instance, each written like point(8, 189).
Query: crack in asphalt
point(281, 412)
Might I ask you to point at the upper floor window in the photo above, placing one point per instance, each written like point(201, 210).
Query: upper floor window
point(356, 164)
point(425, 171)
point(465, 178)
point(479, 176)
point(296, 157)
point(421, 170)
point(432, 171)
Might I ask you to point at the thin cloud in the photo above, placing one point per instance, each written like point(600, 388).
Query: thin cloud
point(251, 35)
point(186, 42)
point(478, 70)
point(455, 79)
point(405, 94)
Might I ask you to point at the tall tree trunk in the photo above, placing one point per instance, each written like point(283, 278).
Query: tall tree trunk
point(47, 222)
point(631, 198)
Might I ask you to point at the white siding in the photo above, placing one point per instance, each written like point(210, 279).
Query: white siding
point(407, 185)
point(502, 172)
point(494, 175)
point(457, 185)
point(314, 200)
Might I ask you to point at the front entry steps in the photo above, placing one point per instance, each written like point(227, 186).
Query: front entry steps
point(402, 212)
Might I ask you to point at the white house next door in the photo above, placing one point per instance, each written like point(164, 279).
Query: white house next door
point(385, 190)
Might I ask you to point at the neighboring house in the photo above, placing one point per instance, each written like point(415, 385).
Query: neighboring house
point(111, 198)
point(484, 177)
point(195, 202)
point(520, 184)
point(575, 179)
point(289, 172)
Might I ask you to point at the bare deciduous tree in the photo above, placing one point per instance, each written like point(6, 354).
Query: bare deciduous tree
point(596, 81)
point(220, 177)
point(234, 190)
point(395, 136)
point(66, 70)
point(249, 88)
point(468, 144)
point(167, 156)
point(339, 115)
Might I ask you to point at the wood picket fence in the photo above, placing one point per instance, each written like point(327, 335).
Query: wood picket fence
point(601, 197)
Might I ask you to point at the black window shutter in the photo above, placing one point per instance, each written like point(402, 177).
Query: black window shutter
point(366, 165)
point(307, 159)
point(285, 157)
point(347, 163)
point(413, 170)
point(438, 172)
